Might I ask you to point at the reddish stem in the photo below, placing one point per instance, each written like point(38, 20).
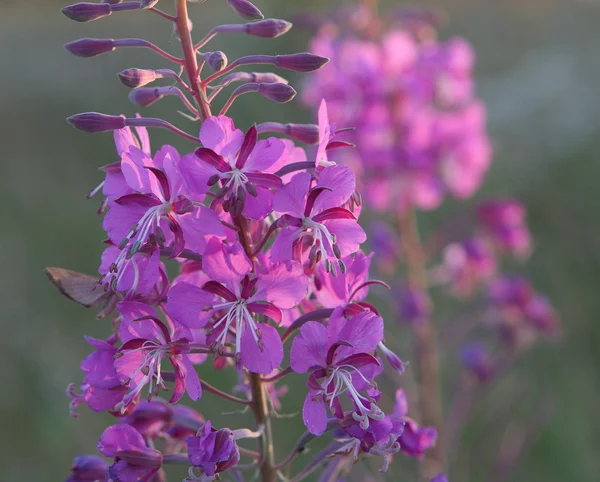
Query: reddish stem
point(190, 63)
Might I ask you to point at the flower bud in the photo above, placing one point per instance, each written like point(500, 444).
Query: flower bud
point(307, 133)
point(245, 9)
point(93, 122)
point(87, 12)
point(137, 77)
point(277, 92)
point(146, 96)
point(90, 47)
point(216, 60)
point(270, 28)
point(88, 467)
point(303, 62)
point(112, 2)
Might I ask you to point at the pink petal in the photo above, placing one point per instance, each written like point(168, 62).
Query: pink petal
point(269, 358)
point(363, 331)
point(342, 182)
point(219, 134)
point(119, 438)
point(130, 329)
point(314, 414)
point(265, 154)
point(132, 166)
point(290, 198)
point(198, 226)
point(195, 174)
point(187, 305)
point(227, 264)
point(350, 235)
point(308, 348)
point(284, 284)
point(192, 382)
point(281, 250)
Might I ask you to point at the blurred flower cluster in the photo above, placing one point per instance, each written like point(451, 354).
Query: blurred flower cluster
point(421, 136)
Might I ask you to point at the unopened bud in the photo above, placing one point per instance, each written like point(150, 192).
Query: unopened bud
point(270, 28)
point(307, 133)
point(87, 12)
point(246, 10)
point(137, 77)
point(145, 96)
point(277, 92)
point(216, 60)
point(88, 467)
point(303, 62)
point(90, 47)
point(93, 122)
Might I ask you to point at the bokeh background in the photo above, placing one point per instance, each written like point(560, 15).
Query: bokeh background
point(537, 70)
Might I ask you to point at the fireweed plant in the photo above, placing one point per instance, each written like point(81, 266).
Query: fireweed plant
point(420, 137)
point(271, 280)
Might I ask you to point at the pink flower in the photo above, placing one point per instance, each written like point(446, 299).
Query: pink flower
point(241, 166)
point(339, 360)
point(313, 220)
point(133, 459)
point(232, 296)
point(146, 343)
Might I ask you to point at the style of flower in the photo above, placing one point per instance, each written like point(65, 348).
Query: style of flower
point(339, 360)
point(232, 299)
point(241, 166)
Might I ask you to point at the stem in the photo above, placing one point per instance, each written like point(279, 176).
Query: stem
point(190, 63)
point(226, 396)
point(260, 410)
point(425, 346)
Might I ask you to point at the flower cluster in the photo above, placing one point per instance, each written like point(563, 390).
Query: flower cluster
point(266, 246)
point(420, 129)
point(420, 136)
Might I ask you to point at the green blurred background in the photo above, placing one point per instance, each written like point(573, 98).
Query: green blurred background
point(538, 70)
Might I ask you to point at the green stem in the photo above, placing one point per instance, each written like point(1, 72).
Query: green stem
point(425, 346)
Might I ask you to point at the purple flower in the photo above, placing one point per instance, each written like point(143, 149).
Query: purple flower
point(414, 305)
point(146, 343)
point(231, 298)
point(138, 278)
point(213, 451)
point(87, 468)
point(241, 166)
point(313, 220)
point(466, 264)
point(478, 361)
point(504, 220)
point(414, 440)
point(133, 459)
point(339, 360)
point(159, 211)
point(440, 478)
point(101, 387)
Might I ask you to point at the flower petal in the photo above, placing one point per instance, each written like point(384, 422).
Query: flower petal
point(266, 360)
